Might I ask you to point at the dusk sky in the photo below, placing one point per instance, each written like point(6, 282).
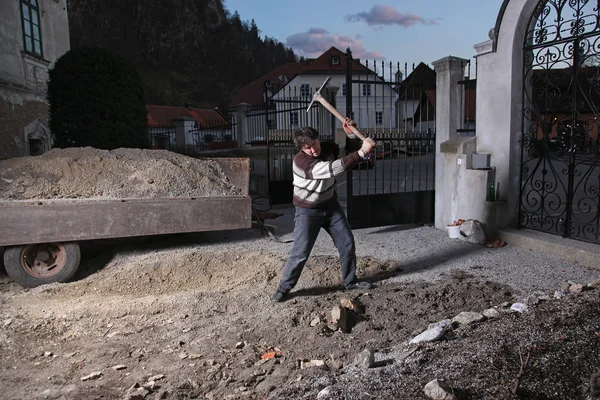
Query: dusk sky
point(397, 30)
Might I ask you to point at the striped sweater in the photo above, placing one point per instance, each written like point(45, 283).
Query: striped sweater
point(314, 177)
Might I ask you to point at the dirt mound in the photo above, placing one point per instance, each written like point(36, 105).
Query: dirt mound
point(196, 323)
point(120, 173)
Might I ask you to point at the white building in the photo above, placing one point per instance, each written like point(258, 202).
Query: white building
point(33, 35)
point(373, 102)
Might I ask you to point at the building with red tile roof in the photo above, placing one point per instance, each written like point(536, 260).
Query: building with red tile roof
point(189, 129)
point(166, 115)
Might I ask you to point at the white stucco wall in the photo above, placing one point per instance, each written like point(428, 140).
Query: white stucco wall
point(23, 76)
point(499, 101)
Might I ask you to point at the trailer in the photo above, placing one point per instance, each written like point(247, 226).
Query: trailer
point(40, 238)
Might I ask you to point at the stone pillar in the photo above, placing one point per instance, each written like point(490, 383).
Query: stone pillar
point(241, 124)
point(182, 136)
point(449, 112)
point(449, 94)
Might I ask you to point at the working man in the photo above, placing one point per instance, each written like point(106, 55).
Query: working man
point(315, 167)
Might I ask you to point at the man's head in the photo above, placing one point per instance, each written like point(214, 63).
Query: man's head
point(307, 140)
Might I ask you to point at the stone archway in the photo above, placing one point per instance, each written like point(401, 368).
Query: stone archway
point(500, 102)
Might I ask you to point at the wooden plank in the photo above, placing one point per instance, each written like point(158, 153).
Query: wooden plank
point(74, 220)
point(237, 171)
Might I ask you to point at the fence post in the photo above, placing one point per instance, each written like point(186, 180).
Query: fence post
point(449, 93)
point(183, 127)
point(241, 125)
point(449, 112)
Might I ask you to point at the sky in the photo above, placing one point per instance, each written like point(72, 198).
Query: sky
point(396, 31)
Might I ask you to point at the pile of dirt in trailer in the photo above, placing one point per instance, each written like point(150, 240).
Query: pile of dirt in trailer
point(115, 174)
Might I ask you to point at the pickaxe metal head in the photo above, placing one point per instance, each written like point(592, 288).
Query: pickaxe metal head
point(317, 94)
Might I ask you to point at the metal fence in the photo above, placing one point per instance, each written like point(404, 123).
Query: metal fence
point(162, 137)
point(395, 107)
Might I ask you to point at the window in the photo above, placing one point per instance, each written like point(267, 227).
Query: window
point(305, 90)
point(343, 89)
point(30, 18)
point(294, 118)
point(366, 89)
point(335, 60)
point(379, 117)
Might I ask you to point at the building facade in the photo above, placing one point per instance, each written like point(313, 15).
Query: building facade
point(33, 35)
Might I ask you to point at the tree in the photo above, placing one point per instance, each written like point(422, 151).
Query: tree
point(96, 99)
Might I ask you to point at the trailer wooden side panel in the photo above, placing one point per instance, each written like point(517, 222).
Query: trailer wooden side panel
point(75, 220)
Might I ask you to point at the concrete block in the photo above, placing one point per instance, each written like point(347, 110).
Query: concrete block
point(461, 145)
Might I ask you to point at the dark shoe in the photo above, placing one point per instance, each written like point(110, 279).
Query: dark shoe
point(279, 296)
point(359, 285)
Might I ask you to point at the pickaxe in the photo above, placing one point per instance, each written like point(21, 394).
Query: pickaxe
point(317, 97)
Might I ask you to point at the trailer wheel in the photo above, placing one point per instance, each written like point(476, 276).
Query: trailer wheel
point(38, 264)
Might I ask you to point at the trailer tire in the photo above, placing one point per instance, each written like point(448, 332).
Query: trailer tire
point(38, 264)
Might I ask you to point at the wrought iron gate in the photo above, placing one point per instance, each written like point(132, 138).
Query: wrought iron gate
point(284, 112)
point(396, 184)
point(560, 161)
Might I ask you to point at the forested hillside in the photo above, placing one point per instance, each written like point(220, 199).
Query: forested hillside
point(186, 51)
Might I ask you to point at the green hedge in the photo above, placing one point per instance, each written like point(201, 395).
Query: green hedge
point(96, 99)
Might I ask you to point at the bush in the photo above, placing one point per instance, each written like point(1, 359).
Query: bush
point(96, 99)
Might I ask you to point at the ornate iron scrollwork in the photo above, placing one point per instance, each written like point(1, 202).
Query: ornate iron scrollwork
point(560, 163)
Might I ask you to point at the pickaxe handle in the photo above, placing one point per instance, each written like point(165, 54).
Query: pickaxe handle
point(336, 113)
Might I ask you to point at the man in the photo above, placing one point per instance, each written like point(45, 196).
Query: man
point(315, 167)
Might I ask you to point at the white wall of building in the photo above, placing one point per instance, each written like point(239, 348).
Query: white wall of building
point(23, 76)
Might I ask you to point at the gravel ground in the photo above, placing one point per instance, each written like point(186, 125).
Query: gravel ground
point(426, 253)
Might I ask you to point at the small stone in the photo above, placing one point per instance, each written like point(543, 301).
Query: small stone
point(468, 317)
point(430, 335)
point(536, 298)
point(92, 376)
point(445, 324)
point(595, 284)
point(365, 359)
point(240, 345)
point(47, 354)
point(312, 363)
point(183, 356)
point(7, 322)
point(576, 288)
point(324, 393)
point(339, 317)
point(353, 305)
point(519, 307)
point(119, 367)
point(491, 313)
point(315, 321)
point(156, 377)
point(195, 356)
point(438, 389)
point(338, 364)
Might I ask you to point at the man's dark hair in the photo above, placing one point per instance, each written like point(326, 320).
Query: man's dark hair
point(304, 136)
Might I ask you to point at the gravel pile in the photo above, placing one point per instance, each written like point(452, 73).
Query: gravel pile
point(117, 174)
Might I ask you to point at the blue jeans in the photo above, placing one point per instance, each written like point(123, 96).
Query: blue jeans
point(307, 224)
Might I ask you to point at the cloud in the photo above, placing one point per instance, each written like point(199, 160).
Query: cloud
point(316, 41)
point(386, 15)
